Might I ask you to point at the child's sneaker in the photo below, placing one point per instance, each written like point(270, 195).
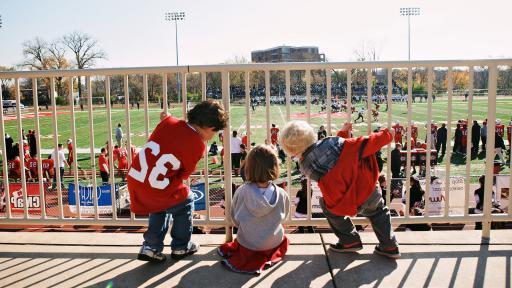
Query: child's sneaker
point(146, 253)
point(342, 248)
point(182, 253)
point(392, 253)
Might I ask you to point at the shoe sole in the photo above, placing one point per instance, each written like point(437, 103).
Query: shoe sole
point(144, 257)
point(346, 250)
point(391, 256)
point(181, 256)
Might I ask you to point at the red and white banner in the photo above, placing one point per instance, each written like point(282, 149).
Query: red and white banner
point(33, 198)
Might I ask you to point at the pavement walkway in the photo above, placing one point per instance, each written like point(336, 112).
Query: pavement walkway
point(429, 259)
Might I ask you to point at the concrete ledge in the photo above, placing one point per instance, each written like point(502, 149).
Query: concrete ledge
point(429, 259)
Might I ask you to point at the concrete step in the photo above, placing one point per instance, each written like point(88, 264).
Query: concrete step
point(83, 259)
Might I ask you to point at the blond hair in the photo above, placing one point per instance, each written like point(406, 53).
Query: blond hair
point(261, 165)
point(296, 137)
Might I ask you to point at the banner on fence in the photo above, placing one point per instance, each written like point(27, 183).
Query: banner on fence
point(87, 199)
point(199, 196)
point(316, 194)
point(438, 194)
point(33, 198)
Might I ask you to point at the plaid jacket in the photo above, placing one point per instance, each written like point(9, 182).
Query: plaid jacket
point(320, 157)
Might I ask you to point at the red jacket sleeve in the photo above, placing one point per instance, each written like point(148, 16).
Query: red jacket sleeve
point(376, 141)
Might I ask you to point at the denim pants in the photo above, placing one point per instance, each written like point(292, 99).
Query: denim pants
point(375, 210)
point(181, 230)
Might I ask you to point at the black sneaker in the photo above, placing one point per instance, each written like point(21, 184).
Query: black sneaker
point(146, 253)
point(342, 248)
point(182, 253)
point(392, 253)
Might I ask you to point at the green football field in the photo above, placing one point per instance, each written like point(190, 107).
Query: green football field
point(258, 123)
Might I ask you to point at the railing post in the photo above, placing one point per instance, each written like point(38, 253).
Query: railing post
point(328, 101)
point(448, 155)
point(227, 153)
point(489, 156)
point(42, 189)
point(91, 144)
point(408, 143)
point(389, 105)
point(5, 174)
point(73, 139)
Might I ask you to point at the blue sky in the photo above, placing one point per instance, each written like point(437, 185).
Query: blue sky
point(134, 33)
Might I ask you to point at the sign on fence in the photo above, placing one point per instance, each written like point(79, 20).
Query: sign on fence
point(199, 196)
point(87, 199)
point(33, 198)
point(315, 198)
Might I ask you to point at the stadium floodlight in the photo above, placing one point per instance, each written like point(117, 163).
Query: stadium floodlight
point(176, 16)
point(409, 11)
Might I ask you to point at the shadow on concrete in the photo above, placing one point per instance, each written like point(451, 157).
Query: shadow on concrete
point(205, 270)
point(373, 268)
point(305, 273)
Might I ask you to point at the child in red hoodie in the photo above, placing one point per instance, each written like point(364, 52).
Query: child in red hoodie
point(346, 171)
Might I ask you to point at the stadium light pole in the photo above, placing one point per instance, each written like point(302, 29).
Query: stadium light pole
point(409, 11)
point(176, 16)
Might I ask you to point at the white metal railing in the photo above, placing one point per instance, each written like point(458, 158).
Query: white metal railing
point(225, 70)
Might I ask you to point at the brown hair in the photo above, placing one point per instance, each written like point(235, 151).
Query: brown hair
point(261, 165)
point(208, 114)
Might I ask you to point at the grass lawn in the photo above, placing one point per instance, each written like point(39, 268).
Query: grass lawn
point(258, 124)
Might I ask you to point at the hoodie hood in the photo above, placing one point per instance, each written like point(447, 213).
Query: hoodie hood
point(257, 204)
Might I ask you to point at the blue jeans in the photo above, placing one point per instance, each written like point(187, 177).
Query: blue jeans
point(375, 210)
point(181, 230)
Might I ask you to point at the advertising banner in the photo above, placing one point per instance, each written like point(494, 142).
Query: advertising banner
point(33, 198)
point(87, 199)
point(199, 196)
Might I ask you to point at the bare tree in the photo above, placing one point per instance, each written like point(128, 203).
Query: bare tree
point(85, 51)
point(35, 53)
point(6, 84)
point(365, 52)
point(36, 57)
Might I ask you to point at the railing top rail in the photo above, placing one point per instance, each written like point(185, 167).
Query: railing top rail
point(253, 67)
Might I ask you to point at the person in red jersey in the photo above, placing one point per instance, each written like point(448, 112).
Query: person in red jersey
point(155, 178)
point(399, 130)
point(500, 128)
point(464, 139)
point(104, 168)
point(32, 167)
point(245, 140)
point(414, 132)
point(345, 131)
point(47, 167)
point(121, 156)
point(274, 134)
point(70, 153)
point(14, 167)
point(26, 150)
